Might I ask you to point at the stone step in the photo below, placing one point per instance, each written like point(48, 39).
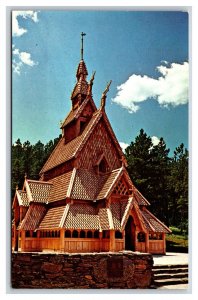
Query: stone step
point(156, 267)
point(172, 281)
point(174, 270)
point(170, 275)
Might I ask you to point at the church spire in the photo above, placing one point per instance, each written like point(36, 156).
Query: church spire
point(81, 88)
point(82, 34)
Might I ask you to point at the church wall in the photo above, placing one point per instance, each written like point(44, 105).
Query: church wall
point(124, 270)
point(98, 143)
point(59, 170)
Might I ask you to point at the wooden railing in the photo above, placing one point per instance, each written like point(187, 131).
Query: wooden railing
point(81, 245)
point(71, 244)
point(156, 246)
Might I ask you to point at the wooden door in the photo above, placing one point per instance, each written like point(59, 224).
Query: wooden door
point(130, 234)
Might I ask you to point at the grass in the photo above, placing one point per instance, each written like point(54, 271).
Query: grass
point(176, 241)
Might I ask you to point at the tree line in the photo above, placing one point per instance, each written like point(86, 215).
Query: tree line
point(161, 178)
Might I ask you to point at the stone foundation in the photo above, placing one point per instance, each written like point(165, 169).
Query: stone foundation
point(121, 270)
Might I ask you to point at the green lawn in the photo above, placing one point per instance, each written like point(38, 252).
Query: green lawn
point(176, 241)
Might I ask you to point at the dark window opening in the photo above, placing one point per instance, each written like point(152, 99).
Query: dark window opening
point(75, 234)
point(89, 234)
point(102, 166)
point(82, 234)
point(34, 234)
point(141, 237)
point(96, 234)
point(27, 233)
point(67, 233)
point(118, 234)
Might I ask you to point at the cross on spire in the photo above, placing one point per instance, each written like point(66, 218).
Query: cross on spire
point(82, 34)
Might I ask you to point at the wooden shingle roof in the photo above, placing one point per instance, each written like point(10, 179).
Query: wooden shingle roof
point(64, 152)
point(152, 223)
point(40, 190)
point(33, 217)
point(52, 218)
point(82, 216)
point(60, 186)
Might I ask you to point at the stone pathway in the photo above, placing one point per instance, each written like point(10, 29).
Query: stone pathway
point(171, 259)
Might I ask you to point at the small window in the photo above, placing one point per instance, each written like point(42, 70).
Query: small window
point(96, 234)
point(89, 234)
point(27, 233)
point(82, 234)
point(118, 234)
point(67, 233)
point(102, 166)
point(34, 234)
point(141, 237)
point(75, 234)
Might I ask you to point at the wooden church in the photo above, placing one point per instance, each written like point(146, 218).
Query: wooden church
point(85, 200)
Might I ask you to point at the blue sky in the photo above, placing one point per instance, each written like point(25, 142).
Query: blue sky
point(145, 54)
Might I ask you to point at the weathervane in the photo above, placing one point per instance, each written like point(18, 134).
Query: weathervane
point(82, 34)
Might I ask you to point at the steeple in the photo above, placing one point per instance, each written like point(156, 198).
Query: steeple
point(81, 88)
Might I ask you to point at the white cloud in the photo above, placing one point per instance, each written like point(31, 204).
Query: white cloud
point(170, 89)
point(123, 145)
point(29, 14)
point(155, 140)
point(20, 59)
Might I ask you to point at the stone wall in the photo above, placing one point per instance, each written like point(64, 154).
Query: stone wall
point(121, 270)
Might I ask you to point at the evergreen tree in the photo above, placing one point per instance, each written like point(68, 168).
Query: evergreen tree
point(178, 182)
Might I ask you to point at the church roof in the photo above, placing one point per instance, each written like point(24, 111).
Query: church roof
point(74, 114)
point(33, 217)
point(60, 186)
point(141, 200)
point(52, 218)
point(39, 190)
point(82, 216)
point(64, 152)
point(22, 198)
point(152, 223)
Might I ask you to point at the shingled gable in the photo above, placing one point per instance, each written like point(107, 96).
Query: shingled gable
point(65, 152)
point(85, 200)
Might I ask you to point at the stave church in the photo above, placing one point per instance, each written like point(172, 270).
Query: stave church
point(85, 200)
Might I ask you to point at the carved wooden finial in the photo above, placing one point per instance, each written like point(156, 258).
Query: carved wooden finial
point(17, 187)
point(82, 34)
point(104, 95)
point(91, 83)
point(25, 176)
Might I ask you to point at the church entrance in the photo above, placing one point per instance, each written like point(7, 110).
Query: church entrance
point(130, 234)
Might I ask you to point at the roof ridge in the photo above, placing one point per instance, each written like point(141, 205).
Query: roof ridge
point(112, 134)
point(114, 181)
point(64, 216)
point(128, 207)
point(39, 181)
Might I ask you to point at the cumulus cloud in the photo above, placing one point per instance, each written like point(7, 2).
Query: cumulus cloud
point(29, 14)
point(123, 145)
point(155, 140)
point(20, 59)
point(170, 89)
